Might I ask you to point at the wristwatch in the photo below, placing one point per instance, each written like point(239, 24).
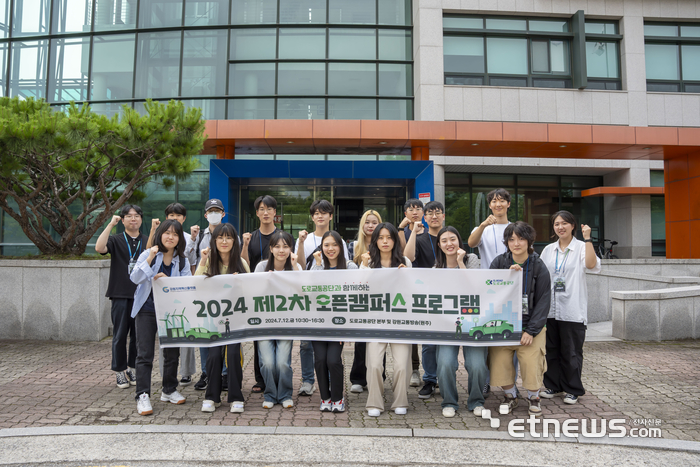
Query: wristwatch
point(588, 240)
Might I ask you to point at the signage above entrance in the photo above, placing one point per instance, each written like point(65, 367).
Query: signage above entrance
point(424, 198)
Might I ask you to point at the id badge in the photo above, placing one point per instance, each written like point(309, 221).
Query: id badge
point(559, 284)
point(132, 265)
point(526, 310)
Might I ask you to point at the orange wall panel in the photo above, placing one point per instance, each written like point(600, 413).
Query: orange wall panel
point(678, 240)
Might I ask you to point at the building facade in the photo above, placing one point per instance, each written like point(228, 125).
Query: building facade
point(542, 77)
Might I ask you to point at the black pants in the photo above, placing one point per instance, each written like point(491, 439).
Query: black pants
point(146, 330)
point(565, 356)
point(215, 363)
point(123, 327)
point(415, 359)
point(358, 372)
point(256, 367)
point(328, 361)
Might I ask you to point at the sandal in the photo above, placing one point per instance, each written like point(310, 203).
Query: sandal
point(257, 389)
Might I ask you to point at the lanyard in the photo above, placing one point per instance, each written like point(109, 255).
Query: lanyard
point(131, 256)
point(560, 267)
point(527, 269)
point(495, 241)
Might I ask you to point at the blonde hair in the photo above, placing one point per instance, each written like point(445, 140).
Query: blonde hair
point(362, 240)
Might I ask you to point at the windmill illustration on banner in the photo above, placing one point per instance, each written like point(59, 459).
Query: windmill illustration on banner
point(171, 327)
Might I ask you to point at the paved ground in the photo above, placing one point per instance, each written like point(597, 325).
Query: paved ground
point(54, 384)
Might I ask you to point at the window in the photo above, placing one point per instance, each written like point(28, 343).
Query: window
point(603, 55)
point(672, 53)
point(500, 51)
point(529, 52)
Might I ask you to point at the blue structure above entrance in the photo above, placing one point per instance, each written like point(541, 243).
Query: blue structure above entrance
point(227, 177)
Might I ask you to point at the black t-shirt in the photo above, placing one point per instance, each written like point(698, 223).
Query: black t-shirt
point(258, 243)
point(426, 251)
point(120, 285)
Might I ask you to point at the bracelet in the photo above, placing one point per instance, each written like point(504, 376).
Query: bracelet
point(588, 240)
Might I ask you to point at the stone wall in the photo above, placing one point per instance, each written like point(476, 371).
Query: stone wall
point(54, 300)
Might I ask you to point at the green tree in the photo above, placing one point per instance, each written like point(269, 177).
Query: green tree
point(71, 171)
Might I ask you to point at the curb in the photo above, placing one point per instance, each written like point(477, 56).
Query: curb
point(643, 443)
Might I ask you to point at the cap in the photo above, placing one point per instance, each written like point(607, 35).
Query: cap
point(213, 203)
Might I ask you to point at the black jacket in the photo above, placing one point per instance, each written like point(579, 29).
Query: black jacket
point(539, 292)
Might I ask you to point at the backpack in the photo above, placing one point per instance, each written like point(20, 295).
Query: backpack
point(311, 260)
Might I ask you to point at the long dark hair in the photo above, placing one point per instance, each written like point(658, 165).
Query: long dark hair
point(234, 257)
point(342, 263)
point(440, 256)
point(375, 256)
point(164, 227)
point(280, 236)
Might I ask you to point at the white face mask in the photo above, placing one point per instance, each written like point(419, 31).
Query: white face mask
point(214, 218)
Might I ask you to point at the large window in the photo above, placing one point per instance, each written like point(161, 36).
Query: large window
point(237, 59)
point(534, 198)
point(528, 52)
point(672, 53)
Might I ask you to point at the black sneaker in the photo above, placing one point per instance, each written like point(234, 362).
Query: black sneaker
point(427, 391)
point(224, 382)
point(201, 385)
point(486, 390)
point(185, 381)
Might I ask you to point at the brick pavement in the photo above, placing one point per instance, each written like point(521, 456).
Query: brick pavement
point(55, 384)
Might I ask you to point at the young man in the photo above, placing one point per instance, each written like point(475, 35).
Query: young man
point(124, 249)
point(213, 212)
point(536, 292)
point(421, 249)
point(488, 237)
point(413, 212)
point(322, 214)
point(256, 248)
point(188, 366)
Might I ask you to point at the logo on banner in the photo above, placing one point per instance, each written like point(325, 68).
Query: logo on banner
point(190, 288)
point(499, 282)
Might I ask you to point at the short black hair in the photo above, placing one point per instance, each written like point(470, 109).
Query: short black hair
point(498, 193)
point(164, 227)
point(412, 203)
point(321, 205)
point(434, 205)
point(267, 200)
point(176, 208)
point(125, 210)
point(568, 218)
point(523, 230)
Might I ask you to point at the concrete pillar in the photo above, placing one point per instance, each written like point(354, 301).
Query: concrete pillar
point(628, 218)
point(439, 183)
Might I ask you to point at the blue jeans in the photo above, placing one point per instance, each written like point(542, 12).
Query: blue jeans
point(429, 353)
point(276, 368)
point(203, 354)
point(306, 355)
point(474, 363)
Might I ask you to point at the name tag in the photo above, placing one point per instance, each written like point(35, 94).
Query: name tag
point(559, 284)
point(526, 309)
point(132, 264)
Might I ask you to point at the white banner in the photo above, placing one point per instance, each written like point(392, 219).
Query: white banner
point(428, 306)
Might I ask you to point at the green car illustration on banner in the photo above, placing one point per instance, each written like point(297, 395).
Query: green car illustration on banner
point(202, 333)
point(495, 327)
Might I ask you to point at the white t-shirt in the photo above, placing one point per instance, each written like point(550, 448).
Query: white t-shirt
point(311, 243)
point(572, 304)
point(491, 244)
point(406, 261)
point(263, 264)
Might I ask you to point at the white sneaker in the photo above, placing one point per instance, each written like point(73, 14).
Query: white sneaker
point(143, 405)
point(400, 410)
point(288, 403)
point(174, 397)
point(356, 388)
point(237, 407)
point(306, 389)
point(477, 410)
point(338, 406)
point(448, 412)
point(326, 405)
point(415, 379)
point(374, 412)
point(268, 405)
point(209, 406)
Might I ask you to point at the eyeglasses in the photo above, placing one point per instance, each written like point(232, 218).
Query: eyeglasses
point(433, 214)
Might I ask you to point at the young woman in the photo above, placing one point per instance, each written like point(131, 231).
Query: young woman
point(567, 260)
point(328, 356)
point(223, 257)
point(276, 355)
point(385, 252)
point(165, 259)
point(519, 238)
point(450, 255)
point(369, 221)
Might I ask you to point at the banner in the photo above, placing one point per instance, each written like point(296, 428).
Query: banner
point(428, 306)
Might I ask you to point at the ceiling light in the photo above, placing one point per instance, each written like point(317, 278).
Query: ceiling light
point(290, 142)
point(475, 144)
point(647, 147)
point(562, 145)
point(382, 142)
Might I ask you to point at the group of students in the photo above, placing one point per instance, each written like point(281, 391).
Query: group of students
point(554, 295)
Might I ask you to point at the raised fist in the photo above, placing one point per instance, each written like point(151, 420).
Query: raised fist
point(319, 258)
